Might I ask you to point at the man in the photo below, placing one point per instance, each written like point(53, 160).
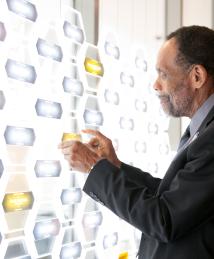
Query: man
point(176, 213)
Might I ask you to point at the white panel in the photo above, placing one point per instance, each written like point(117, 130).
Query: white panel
point(197, 12)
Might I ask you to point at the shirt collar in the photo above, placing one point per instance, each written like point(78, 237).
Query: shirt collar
point(200, 115)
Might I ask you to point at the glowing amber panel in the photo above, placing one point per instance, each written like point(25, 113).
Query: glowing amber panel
point(123, 255)
point(17, 201)
point(71, 136)
point(93, 66)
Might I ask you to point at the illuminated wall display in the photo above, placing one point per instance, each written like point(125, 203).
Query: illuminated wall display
point(73, 32)
point(54, 84)
point(23, 8)
point(73, 86)
point(2, 100)
point(19, 136)
point(48, 109)
point(2, 32)
point(48, 168)
point(93, 66)
point(17, 201)
point(48, 50)
point(20, 71)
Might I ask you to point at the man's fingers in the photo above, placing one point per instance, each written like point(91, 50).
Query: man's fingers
point(95, 133)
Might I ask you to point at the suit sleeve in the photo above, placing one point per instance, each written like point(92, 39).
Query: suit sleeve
point(132, 194)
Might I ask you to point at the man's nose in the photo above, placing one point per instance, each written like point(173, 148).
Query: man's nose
point(156, 85)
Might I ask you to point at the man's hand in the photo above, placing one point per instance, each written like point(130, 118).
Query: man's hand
point(79, 156)
point(102, 146)
point(82, 157)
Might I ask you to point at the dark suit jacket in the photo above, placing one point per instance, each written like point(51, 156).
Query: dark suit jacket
point(175, 214)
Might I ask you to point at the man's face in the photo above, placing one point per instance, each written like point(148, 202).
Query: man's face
point(172, 84)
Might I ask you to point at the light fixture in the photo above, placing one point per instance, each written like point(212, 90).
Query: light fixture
point(73, 86)
point(20, 71)
point(48, 109)
point(2, 100)
point(23, 8)
point(17, 201)
point(93, 66)
point(110, 240)
point(92, 219)
point(111, 97)
point(112, 50)
point(2, 32)
point(73, 32)
point(1, 168)
point(47, 168)
point(127, 79)
point(48, 50)
point(140, 147)
point(126, 123)
point(140, 105)
point(141, 64)
point(72, 250)
point(153, 128)
point(46, 228)
point(93, 117)
point(19, 136)
point(71, 196)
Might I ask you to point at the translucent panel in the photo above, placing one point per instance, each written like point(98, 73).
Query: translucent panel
point(127, 79)
point(48, 109)
point(45, 246)
point(92, 219)
point(110, 240)
point(111, 97)
point(17, 201)
point(140, 147)
point(48, 50)
point(48, 168)
point(73, 32)
point(126, 123)
point(112, 50)
point(72, 250)
point(2, 32)
point(93, 66)
point(46, 228)
point(20, 71)
point(17, 249)
point(2, 100)
point(140, 105)
point(1, 168)
point(93, 117)
point(23, 8)
point(73, 86)
point(71, 196)
point(19, 136)
point(71, 136)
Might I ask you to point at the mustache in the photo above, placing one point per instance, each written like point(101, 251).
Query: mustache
point(163, 96)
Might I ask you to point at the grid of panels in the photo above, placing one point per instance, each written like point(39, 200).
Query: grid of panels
point(54, 81)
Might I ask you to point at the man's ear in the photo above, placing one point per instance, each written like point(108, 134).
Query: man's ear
point(198, 76)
